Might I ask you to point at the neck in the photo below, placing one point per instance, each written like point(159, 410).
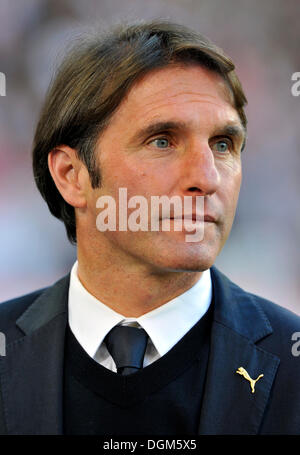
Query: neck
point(130, 289)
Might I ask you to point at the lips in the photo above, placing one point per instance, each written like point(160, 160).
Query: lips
point(196, 217)
point(210, 218)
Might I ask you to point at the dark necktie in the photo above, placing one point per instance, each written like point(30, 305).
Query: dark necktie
point(127, 346)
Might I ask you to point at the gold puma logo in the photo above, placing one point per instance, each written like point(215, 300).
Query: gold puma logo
point(244, 373)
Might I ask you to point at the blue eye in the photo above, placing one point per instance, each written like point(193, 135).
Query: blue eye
point(161, 143)
point(221, 146)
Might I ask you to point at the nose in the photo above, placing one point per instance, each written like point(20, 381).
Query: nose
point(200, 175)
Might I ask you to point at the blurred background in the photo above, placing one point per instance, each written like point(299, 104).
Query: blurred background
point(262, 37)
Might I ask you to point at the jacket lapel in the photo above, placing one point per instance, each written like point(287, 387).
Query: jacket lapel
point(229, 406)
point(32, 370)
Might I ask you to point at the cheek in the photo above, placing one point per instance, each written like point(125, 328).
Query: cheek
point(233, 193)
point(238, 182)
point(229, 190)
point(233, 177)
point(138, 177)
point(117, 173)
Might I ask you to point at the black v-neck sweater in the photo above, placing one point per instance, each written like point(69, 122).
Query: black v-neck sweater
point(163, 398)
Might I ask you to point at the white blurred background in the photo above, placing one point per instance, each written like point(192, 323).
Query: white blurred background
point(262, 37)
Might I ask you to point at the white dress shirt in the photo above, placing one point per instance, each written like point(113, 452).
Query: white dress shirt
point(90, 320)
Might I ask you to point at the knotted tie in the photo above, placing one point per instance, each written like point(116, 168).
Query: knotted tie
point(127, 346)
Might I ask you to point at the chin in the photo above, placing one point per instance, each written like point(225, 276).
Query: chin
point(189, 266)
point(193, 259)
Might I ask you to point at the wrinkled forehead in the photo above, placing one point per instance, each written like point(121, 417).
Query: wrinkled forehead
point(178, 91)
point(182, 76)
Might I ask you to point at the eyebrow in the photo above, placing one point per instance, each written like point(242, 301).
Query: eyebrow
point(237, 131)
point(232, 130)
point(158, 127)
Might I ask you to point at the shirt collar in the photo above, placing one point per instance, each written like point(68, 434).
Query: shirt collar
point(167, 324)
point(90, 320)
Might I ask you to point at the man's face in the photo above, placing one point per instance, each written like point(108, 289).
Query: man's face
point(175, 134)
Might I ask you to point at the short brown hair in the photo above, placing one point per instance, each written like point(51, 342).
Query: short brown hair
point(93, 80)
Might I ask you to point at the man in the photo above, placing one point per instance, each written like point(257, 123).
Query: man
point(145, 336)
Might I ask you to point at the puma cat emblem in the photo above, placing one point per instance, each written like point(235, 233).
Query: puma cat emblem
point(244, 373)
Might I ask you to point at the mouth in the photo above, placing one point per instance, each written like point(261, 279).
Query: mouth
point(195, 217)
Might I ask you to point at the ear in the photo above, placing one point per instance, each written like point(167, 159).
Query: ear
point(69, 174)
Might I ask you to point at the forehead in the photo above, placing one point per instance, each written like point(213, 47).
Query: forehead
point(190, 92)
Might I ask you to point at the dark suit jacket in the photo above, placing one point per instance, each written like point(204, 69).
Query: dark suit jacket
point(247, 331)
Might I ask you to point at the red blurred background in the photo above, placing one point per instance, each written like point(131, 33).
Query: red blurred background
point(262, 37)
